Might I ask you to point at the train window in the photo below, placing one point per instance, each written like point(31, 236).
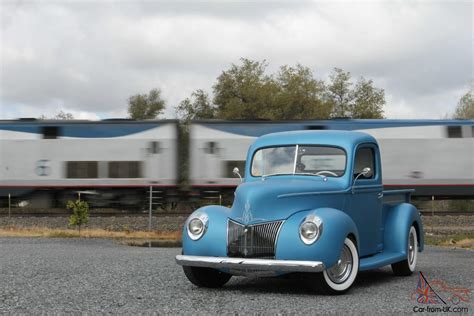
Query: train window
point(125, 169)
point(365, 157)
point(81, 169)
point(454, 132)
point(154, 147)
point(211, 148)
point(50, 132)
point(229, 165)
point(315, 127)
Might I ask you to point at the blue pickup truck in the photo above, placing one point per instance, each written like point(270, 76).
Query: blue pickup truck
point(312, 203)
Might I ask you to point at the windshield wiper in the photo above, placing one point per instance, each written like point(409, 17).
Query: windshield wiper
point(276, 174)
point(309, 174)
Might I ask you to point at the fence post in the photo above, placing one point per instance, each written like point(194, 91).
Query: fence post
point(150, 207)
point(432, 213)
point(9, 205)
point(149, 214)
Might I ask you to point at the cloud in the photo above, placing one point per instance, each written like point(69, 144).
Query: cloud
point(89, 57)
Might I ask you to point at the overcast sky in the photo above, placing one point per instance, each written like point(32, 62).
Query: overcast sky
point(88, 57)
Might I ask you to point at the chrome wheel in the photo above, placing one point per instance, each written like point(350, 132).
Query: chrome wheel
point(341, 271)
point(411, 247)
point(407, 266)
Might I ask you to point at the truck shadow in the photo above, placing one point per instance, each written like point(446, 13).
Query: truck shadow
point(297, 283)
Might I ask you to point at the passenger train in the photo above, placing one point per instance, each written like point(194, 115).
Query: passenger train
point(115, 162)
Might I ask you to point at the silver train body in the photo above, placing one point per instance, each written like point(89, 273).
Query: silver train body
point(434, 157)
point(115, 162)
point(107, 161)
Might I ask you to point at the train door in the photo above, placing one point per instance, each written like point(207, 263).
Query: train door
point(211, 162)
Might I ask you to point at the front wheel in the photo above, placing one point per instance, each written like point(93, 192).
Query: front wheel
point(340, 277)
point(206, 277)
point(407, 266)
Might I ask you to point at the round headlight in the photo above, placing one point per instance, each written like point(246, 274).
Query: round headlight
point(197, 227)
point(310, 229)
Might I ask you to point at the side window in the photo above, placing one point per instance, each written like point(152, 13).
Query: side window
point(50, 132)
point(211, 148)
point(365, 157)
point(454, 131)
point(125, 169)
point(154, 147)
point(81, 169)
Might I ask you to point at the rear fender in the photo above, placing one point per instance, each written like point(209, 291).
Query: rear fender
point(399, 219)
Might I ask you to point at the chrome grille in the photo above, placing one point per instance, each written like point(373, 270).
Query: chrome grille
point(252, 241)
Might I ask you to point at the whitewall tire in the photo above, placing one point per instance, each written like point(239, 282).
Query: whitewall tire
point(407, 266)
point(340, 277)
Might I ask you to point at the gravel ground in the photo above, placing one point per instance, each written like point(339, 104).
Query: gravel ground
point(101, 276)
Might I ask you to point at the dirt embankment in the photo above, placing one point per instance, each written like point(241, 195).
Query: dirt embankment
point(110, 223)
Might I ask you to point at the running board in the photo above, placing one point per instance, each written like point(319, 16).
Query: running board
point(381, 259)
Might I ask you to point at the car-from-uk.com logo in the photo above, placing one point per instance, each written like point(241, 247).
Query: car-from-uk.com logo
point(436, 296)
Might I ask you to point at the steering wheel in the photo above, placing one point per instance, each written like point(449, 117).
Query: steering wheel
point(319, 173)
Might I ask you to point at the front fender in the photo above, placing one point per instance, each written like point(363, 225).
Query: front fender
point(214, 241)
point(397, 225)
point(337, 225)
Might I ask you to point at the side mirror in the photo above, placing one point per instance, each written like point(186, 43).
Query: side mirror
point(364, 172)
point(237, 173)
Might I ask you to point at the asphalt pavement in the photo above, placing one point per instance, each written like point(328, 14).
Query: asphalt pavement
point(101, 276)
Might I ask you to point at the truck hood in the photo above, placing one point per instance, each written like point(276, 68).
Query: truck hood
point(278, 198)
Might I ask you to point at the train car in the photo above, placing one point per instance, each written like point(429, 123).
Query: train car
point(434, 157)
point(46, 162)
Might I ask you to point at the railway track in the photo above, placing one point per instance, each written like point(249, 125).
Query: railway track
point(445, 213)
point(118, 213)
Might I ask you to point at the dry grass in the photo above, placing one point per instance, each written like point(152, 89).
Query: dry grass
point(463, 243)
point(459, 240)
point(88, 233)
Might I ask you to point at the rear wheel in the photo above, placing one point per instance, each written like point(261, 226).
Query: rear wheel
point(407, 266)
point(340, 277)
point(206, 277)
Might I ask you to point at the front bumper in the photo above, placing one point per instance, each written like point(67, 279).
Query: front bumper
point(245, 264)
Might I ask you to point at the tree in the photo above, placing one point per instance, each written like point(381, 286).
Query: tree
point(80, 213)
point(64, 116)
point(244, 91)
point(465, 107)
point(60, 116)
point(300, 95)
point(367, 101)
point(362, 100)
point(146, 106)
point(198, 106)
point(340, 92)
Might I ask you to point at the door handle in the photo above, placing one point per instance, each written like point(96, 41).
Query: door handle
point(380, 195)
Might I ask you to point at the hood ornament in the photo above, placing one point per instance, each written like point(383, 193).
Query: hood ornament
point(247, 216)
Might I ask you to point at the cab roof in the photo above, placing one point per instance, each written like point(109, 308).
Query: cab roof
point(345, 139)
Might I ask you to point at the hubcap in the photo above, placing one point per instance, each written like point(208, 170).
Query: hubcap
point(411, 248)
point(341, 271)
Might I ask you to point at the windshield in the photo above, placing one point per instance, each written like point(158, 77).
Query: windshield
point(299, 159)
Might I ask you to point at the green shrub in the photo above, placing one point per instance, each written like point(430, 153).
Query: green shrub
point(80, 213)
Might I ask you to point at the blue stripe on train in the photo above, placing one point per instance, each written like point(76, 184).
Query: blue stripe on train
point(84, 130)
point(256, 129)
